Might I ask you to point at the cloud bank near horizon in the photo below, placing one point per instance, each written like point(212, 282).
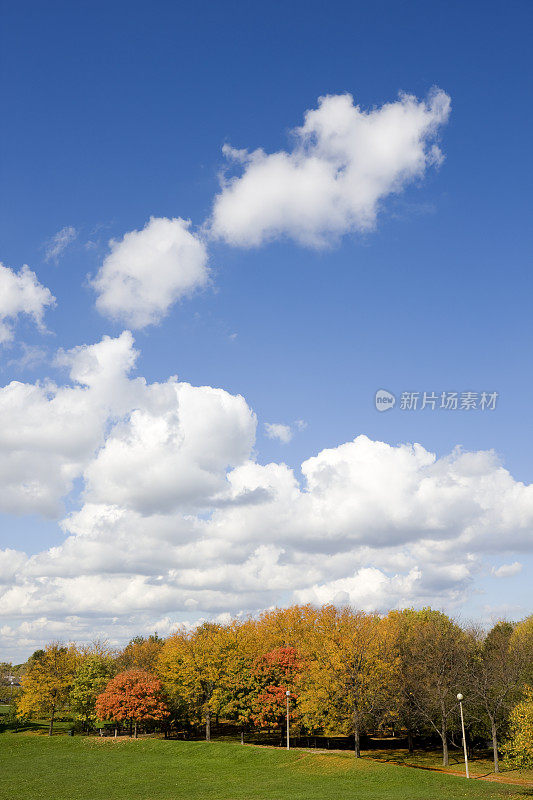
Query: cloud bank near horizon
point(178, 519)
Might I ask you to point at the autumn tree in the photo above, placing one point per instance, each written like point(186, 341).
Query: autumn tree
point(518, 749)
point(437, 653)
point(140, 653)
point(497, 670)
point(523, 640)
point(286, 627)
point(133, 696)
point(238, 687)
point(90, 679)
point(47, 682)
point(6, 670)
point(404, 708)
point(194, 666)
point(274, 674)
point(350, 664)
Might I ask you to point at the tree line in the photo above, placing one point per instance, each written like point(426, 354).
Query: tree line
point(348, 673)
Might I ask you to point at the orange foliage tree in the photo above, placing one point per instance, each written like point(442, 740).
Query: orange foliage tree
point(133, 696)
point(274, 673)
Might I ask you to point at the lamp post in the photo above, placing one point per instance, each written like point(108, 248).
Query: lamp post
point(460, 698)
point(287, 695)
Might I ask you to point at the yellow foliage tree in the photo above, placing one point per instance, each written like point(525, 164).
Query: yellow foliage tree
point(518, 750)
point(350, 664)
point(193, 667)
point(285, 627)
point(47, 682)
point(140, 653)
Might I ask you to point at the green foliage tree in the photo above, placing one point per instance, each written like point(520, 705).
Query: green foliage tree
point(90, 679)
point(434, 668)
point(497, 668)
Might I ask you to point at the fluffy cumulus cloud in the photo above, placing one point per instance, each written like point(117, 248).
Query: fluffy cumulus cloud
point(147, 271)
point(344, 162)
point(177, 519)
point(175, 454)
point(126, 438)
point(50, 432)
point(21, 293)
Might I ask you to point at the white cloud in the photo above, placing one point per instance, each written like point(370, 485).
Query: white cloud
point(21, 293)
point(59, 242)
point(50, 432)
point(284, 433)
point(345, 161)
point(146, 447)
point(507, 570)
point(147, 271)
point(369, 589)
point(176, 454)
point(275, 430)
point(179, 520)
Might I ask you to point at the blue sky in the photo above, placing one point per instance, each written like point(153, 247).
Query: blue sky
point(117, 112)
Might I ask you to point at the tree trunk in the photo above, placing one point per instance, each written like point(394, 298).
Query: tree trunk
point(135, 734)
point(410, 741)
point(444, 737)
point(495, 746)
point(356, 741)
point(51, 726)
point(208, 724)
point(356, 731)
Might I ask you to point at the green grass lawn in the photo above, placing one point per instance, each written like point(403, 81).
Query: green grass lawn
point(479, 766)
point(88, 768)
